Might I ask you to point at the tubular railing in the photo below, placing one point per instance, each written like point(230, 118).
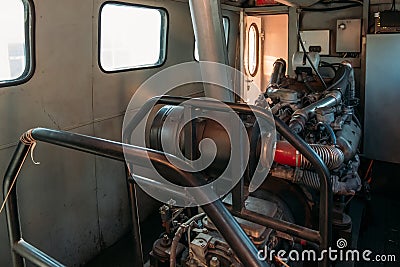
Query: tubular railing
point(216, 211)
point(21, 250)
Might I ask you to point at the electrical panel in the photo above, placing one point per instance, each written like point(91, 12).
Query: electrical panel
point(315, 38)
point(348, 35)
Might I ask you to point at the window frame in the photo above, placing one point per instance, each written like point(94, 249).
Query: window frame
point(163, 40)
point(29, 13)
point(257, 50)
point(226, 18)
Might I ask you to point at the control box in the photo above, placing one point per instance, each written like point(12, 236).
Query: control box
point(348, 35)
point(315, 38)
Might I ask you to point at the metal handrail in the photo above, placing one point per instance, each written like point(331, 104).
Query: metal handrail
point(21, 250)
point(218, 213)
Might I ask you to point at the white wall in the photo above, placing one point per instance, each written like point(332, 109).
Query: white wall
point(275, 44)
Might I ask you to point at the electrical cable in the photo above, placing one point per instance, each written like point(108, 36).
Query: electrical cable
point(357, 121)
point(330, 131)
point(178, 234)
point(308, 86)
point(280, 261)
point(306, 54)
point(328, 65)
point(332, 86)
point(368, 174)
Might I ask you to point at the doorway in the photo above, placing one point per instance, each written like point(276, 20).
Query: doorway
point(265, 40)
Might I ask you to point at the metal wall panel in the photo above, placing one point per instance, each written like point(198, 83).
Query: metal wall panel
point(112, 193)
point(57, 95)
point(382, 95)
point(58, 198)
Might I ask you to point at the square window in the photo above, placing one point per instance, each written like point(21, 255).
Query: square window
point(131, 37)
point(15, 44)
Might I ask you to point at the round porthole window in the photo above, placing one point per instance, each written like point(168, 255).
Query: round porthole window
point(253, 47)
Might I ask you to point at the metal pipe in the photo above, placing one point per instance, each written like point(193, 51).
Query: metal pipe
point(35, 255)
point(325, 202)
point(208, 30)
point(209, 33)
point(108, 149)
point(298, 3)
point(279, 225)
point(301, 116)
point(136, 234)
point(216, 211)
point(242, 86)
point(233, 234)
point(12, 212)
point(278, 72)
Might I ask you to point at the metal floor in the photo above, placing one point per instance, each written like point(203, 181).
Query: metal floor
point(379, 233)
point(381, 227)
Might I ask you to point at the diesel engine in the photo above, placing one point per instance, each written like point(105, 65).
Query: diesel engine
point(324, 117)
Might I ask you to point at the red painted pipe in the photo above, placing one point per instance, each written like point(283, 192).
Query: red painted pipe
point(286, 154)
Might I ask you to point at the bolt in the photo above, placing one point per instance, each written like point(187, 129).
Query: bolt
point(214, 262)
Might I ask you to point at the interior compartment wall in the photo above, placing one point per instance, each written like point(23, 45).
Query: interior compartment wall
point(275, 43)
